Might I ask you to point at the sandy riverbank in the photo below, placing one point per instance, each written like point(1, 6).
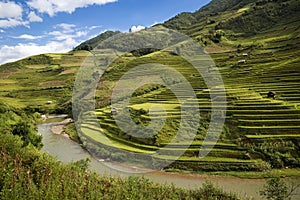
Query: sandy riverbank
point(58, 127)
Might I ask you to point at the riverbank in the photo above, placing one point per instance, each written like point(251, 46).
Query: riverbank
point(59, 127)
point(67, 150)
point(66, 127)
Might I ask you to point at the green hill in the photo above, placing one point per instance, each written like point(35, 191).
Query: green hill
point(93, 42)
point(26, 173)
point(260, 133)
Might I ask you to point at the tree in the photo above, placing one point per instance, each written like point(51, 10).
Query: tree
point(25, 129)
point(275, 189)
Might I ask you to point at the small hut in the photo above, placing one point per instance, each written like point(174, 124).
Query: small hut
point(49, 102)
point(231, 55)
point(113, 111)
point(242, 62)
point(245, 54)
point(272, 94)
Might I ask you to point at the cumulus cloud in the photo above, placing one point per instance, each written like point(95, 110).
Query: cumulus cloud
point(81, 33)
point(94, 27)
point(66, 28)
point(2, 31)
point(34, 18)
point(64, 31)
point(63, 38)
point(10, 22)
point(51, 7)
point(136, 28)
point(13, 53)
point(28, 37)
point(10, 10)
point(11, 15)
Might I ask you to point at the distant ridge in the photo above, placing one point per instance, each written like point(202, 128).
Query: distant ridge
point(92, 43)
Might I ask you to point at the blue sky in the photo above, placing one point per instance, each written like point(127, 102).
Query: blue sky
point(48, 26)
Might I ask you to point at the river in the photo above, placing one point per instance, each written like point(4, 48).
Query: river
point(67, 150)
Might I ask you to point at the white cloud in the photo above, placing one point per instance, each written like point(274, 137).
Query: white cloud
point(63, 38)
point(11, 15)
point(81, 33)
point(34, 18)
point(60, 35)
point(137, 28)
point(28, 37)
point(2, 31)
point(51, 7)
point(67, 31)
point(13, 53)
point(94, 27)
point(10, 10)
point(66, 28)
point(7, 23)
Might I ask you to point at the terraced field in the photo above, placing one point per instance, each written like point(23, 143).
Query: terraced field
point(253, 58)
point(34, 81)
point(259, 132)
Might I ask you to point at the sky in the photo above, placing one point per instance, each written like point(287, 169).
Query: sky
point(55, 26)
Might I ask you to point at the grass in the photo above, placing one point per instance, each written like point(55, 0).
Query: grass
point(70, 129)
point(272, 136)
point(271, 65)
point(253, 175)
point(247, 106)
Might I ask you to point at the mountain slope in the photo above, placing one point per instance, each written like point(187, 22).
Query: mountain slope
point(252, 12)
point(93, 42)
point(260, 132)
point(183, 20)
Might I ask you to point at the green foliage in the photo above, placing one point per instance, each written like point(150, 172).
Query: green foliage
point(261, 18)
point(142, 52)
point(25, 173)
point(64, 103)
point(275, 189)
point(259, 128)
point(279, 153)
point(92, 43)
point(184, 20)
point(70, 129)
point(82, 164)
point(17, 122)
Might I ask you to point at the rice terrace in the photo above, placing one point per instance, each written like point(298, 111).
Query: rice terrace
point(254, 46)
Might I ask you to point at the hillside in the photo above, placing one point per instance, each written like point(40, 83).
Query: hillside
point(256, 126)
point(260, 133)
point(26, 173)
point(93, 42)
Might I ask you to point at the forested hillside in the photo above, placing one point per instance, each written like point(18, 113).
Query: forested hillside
point(256, 47)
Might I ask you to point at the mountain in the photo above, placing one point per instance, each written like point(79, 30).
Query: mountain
point(186, 19)
point(234, 19)
point(256, 47)
point(246, 14)
point(93, 42)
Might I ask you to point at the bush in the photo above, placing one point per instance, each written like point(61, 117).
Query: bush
point(275, 189)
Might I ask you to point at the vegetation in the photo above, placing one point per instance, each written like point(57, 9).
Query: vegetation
point(260, 137)
point(260, 133)
point(20, 124)
point(70, 129)
point(26, 173)
point(92, 43)
point(277, 189)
